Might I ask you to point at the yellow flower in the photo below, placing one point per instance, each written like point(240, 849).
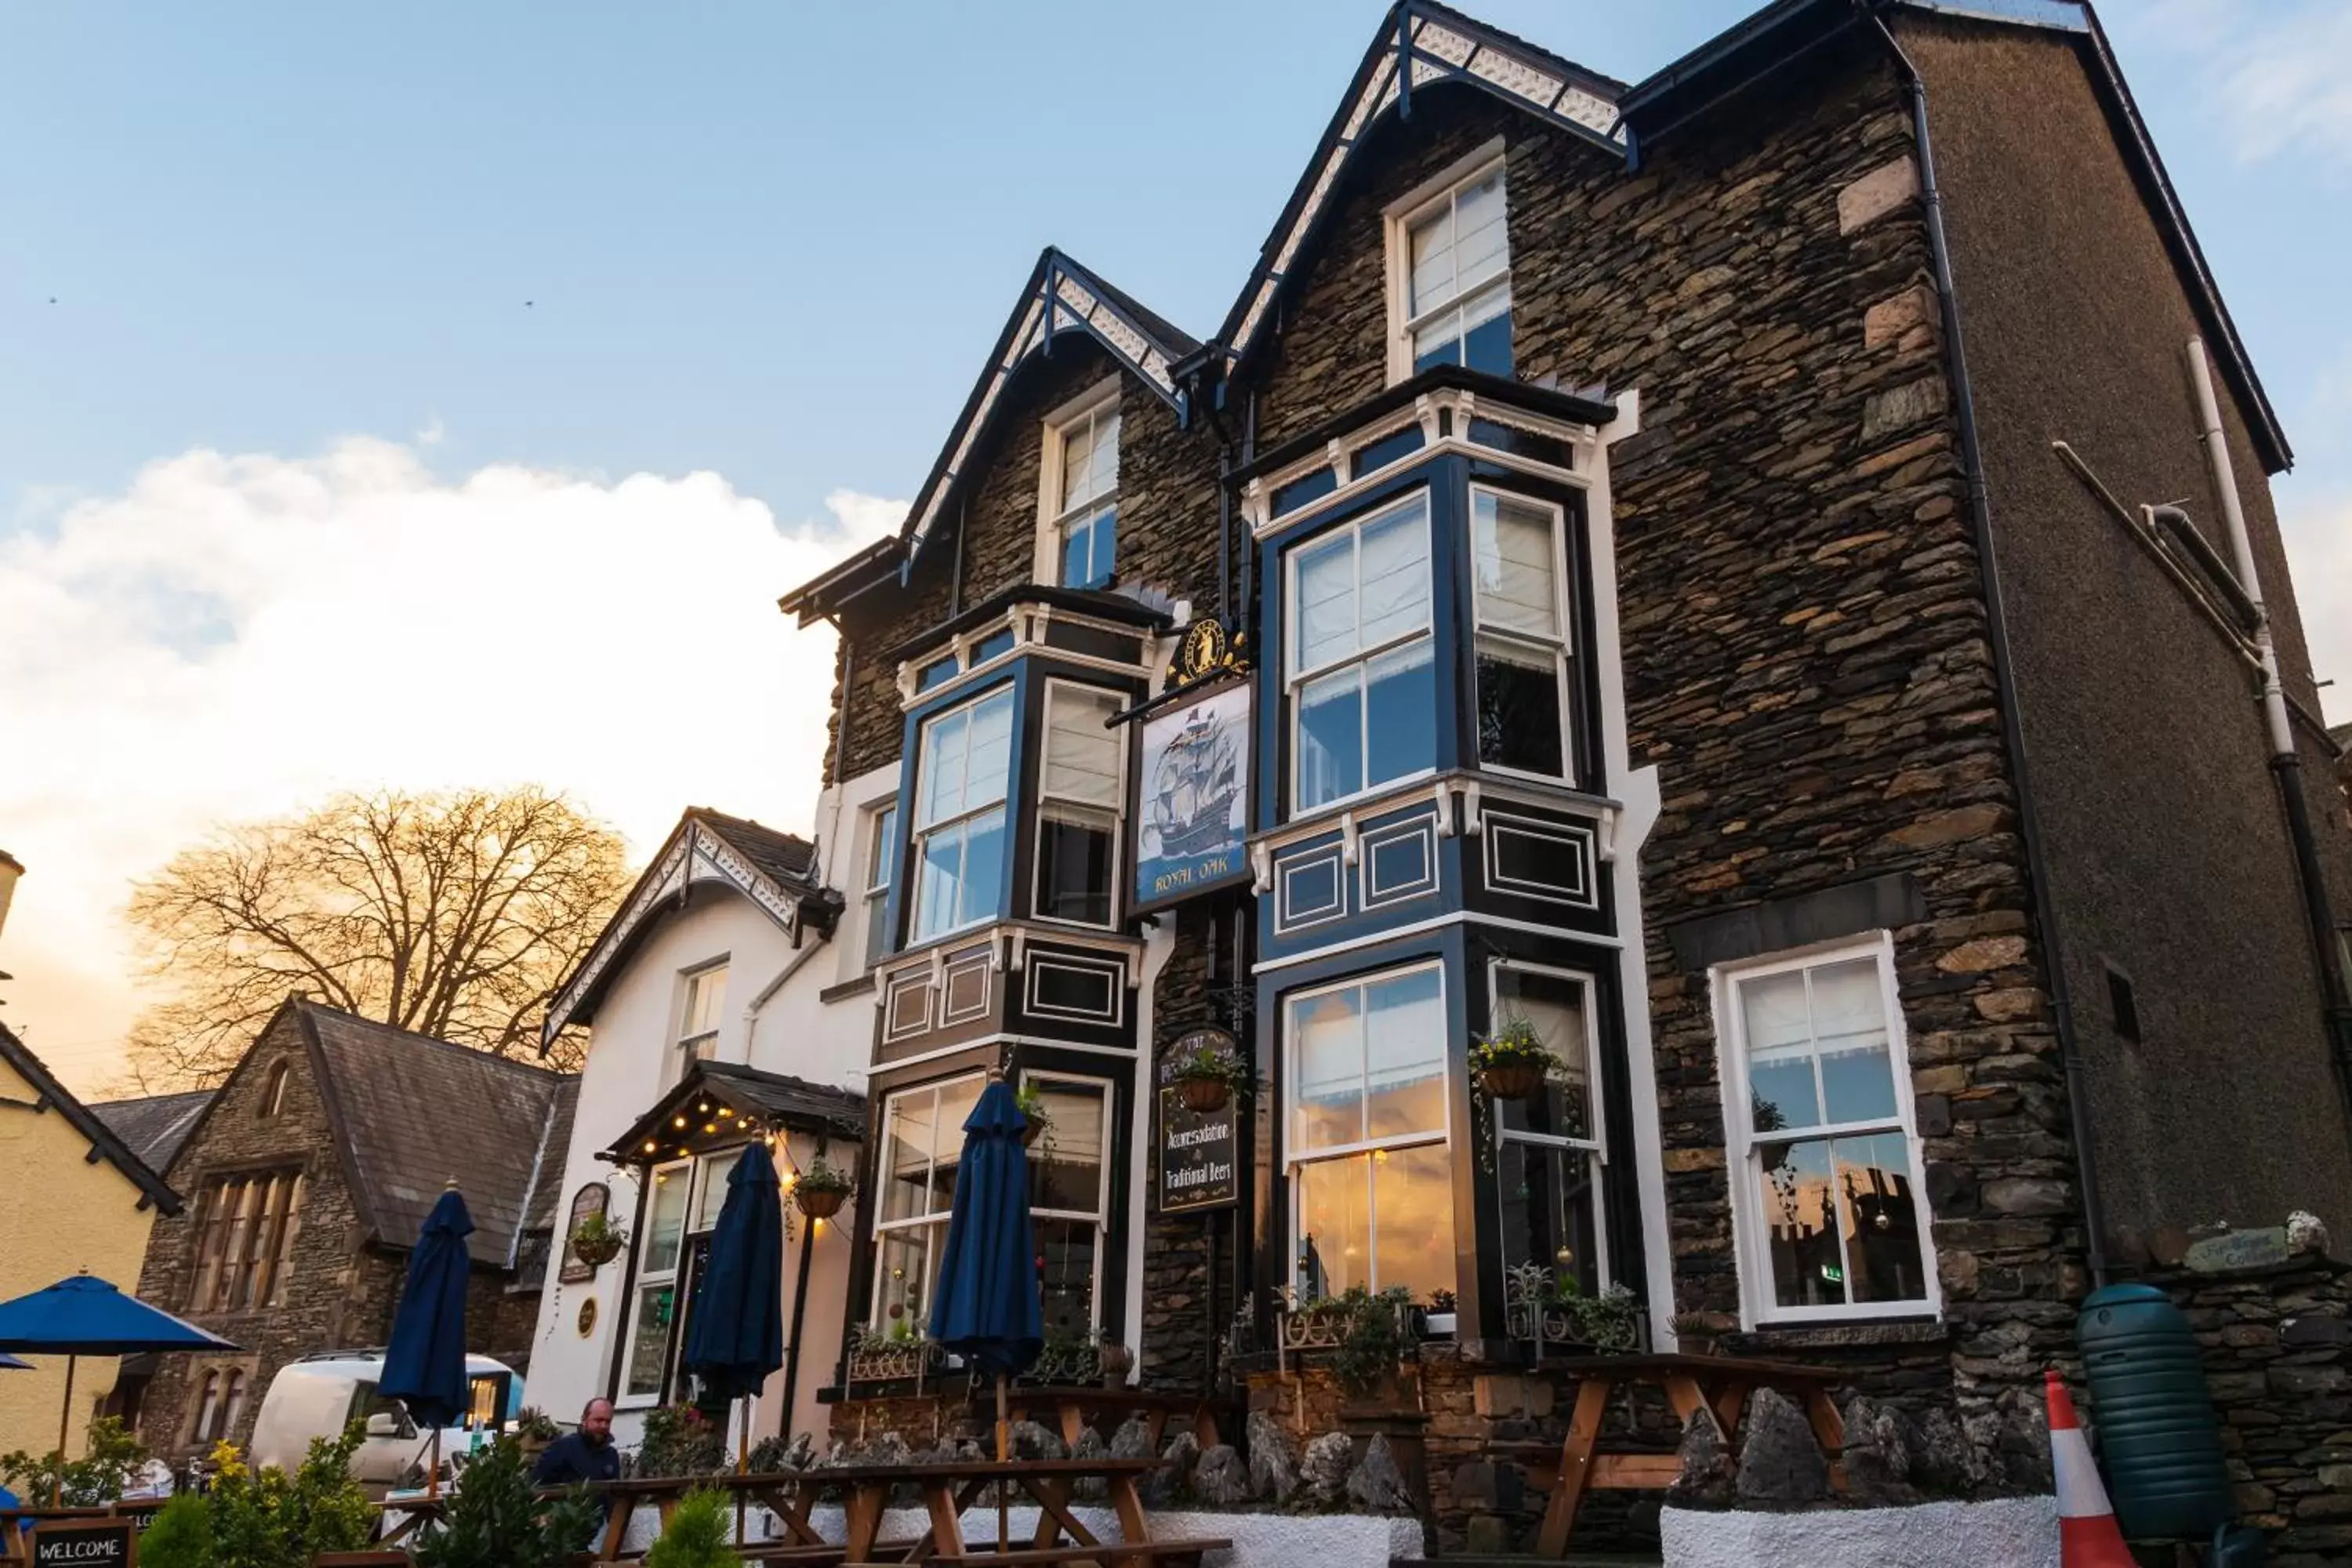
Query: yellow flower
point(226, 1461)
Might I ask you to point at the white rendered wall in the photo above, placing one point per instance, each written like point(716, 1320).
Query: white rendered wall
point(2009, 1532)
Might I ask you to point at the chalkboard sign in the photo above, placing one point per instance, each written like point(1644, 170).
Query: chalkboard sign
point(98, 1543)
point(1200, 1162)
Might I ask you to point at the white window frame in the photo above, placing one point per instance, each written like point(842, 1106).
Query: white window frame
point(1595, 1147)
point(1560, 645)
point(1101, 1212)
point(687, 1049)
point(1751, 1241)
point(879, 835)
point(1296, 679)
point(1037, 813)
point(924, 831)
point(1399, 219)
point(1053, 518)
point(646, 1278)
point(936, 1224)
point(1293, 1160)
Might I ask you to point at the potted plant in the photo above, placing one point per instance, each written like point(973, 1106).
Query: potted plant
point(596, 1241)
point(1205, 1079)
point(1116, 1361)
point(822, 1189)
point(1031, 1101)
point(1695, 1332)
point(1512, 1062)
point(535, 1430)
point(1439, 1317)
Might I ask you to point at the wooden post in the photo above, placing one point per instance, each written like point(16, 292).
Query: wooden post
point(65, 1423)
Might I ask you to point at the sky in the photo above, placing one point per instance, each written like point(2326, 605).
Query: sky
point(441, 395)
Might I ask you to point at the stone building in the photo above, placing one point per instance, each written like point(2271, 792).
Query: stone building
point(307, 1177)
point(1613, 574)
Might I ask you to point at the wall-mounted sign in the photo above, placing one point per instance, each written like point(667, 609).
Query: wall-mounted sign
point(590, 1202)
point(1199, 1151)
point(2239, 1250)
point(1191, 819)
point(98, 1543)
point(587, 1317)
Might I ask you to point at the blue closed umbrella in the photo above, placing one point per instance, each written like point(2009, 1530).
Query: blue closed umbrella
point(736, 1337)
point(986, 1307)
point(424, 1364)
point(87, 1316)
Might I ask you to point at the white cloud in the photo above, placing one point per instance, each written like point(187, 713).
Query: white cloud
point(2275, 75)
point(234, 637)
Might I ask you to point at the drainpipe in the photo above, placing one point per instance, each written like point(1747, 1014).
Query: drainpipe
point(1914, 88)
point(2286, 760)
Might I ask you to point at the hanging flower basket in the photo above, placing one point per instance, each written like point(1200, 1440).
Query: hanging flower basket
point(1512, 1080)
point(1203, 1096)
point(821, 1190)
point(595, 1242)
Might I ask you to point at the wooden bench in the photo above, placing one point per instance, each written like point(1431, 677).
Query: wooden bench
point(1108, 1552)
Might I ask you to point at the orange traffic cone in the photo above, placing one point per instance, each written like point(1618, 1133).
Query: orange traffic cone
point(2088, 1536)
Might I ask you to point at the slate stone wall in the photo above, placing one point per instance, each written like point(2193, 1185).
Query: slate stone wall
point(339, 1293)
point(1804, 631)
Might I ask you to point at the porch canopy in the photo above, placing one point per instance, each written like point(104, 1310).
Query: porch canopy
point(721, 1105)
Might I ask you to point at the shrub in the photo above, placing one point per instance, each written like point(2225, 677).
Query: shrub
point(696, 1535)
point(111, 1457)
point(681, 1441)
point(496, 1520)
point(181, 1535)
point(267, 1519)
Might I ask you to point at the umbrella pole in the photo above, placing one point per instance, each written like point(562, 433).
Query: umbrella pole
point(433, 1469)
point(1003, 1454)
point(65, 1422)
point(743, 1463)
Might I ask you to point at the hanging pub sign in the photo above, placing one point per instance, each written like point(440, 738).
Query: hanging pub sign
point(1199, 1160)
point(85, 1543)
point(1191, 820)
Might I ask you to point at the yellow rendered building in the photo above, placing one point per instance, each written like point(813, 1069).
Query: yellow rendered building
point(73, 1196)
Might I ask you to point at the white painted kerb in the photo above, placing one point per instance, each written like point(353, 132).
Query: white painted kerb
point(2007, 1532)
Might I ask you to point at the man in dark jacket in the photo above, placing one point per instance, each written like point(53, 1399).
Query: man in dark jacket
point(587, 1455)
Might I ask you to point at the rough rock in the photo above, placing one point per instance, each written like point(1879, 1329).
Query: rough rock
point(1090, 1446)
point(1221, 1480)
point(2305, 1232)
point(1878, 1455)
point(1272, 1460)
point(1030, 1441)
point(1132, 1440)
point(2022, 1445)
point(1943, 1465)
point(889, 1448)
point(1780, 1465)
point(1323, 1470)
point(1174, 1478)
point(1377, 1485)
point(1708, 1478)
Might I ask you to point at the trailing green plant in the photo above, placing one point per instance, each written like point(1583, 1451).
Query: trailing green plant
point(111, 1456)
point(496, 1519)
point(597, 1240)
point(267, 1519)
point(680, 1440)
point(696, 1534)
point(1030, 1101)
point(1209, 1064)
point(181, 1536)
point(1374, 1335)
point(1610, 1320)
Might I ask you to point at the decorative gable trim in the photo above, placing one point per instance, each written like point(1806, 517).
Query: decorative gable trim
point(1061, 296)
point(1420, 44)
point(695, 852)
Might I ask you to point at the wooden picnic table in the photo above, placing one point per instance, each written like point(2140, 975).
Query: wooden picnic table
point(1719, 1384)
point(948, 1489)
point(1072, 1406)
point(421, 1510)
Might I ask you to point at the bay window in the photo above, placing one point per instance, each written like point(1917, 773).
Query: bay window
point(922, 1141)
point(1069, 1198)
point(1825, 1150)
point(965, 764)
point(1452, 292)
point(1549, 1147)
point(1366, 1134)
point(245, 1229)
point(1518, 566)
point(1081, 793)
point(1361, 678)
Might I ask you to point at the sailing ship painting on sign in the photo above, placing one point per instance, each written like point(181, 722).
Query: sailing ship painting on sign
point(1190, 828)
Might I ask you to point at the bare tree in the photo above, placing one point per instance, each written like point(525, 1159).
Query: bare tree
point(454, 915)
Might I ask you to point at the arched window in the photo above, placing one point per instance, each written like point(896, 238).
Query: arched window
point(208, 1408)
point(232, 1405)
point(273, 1093)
